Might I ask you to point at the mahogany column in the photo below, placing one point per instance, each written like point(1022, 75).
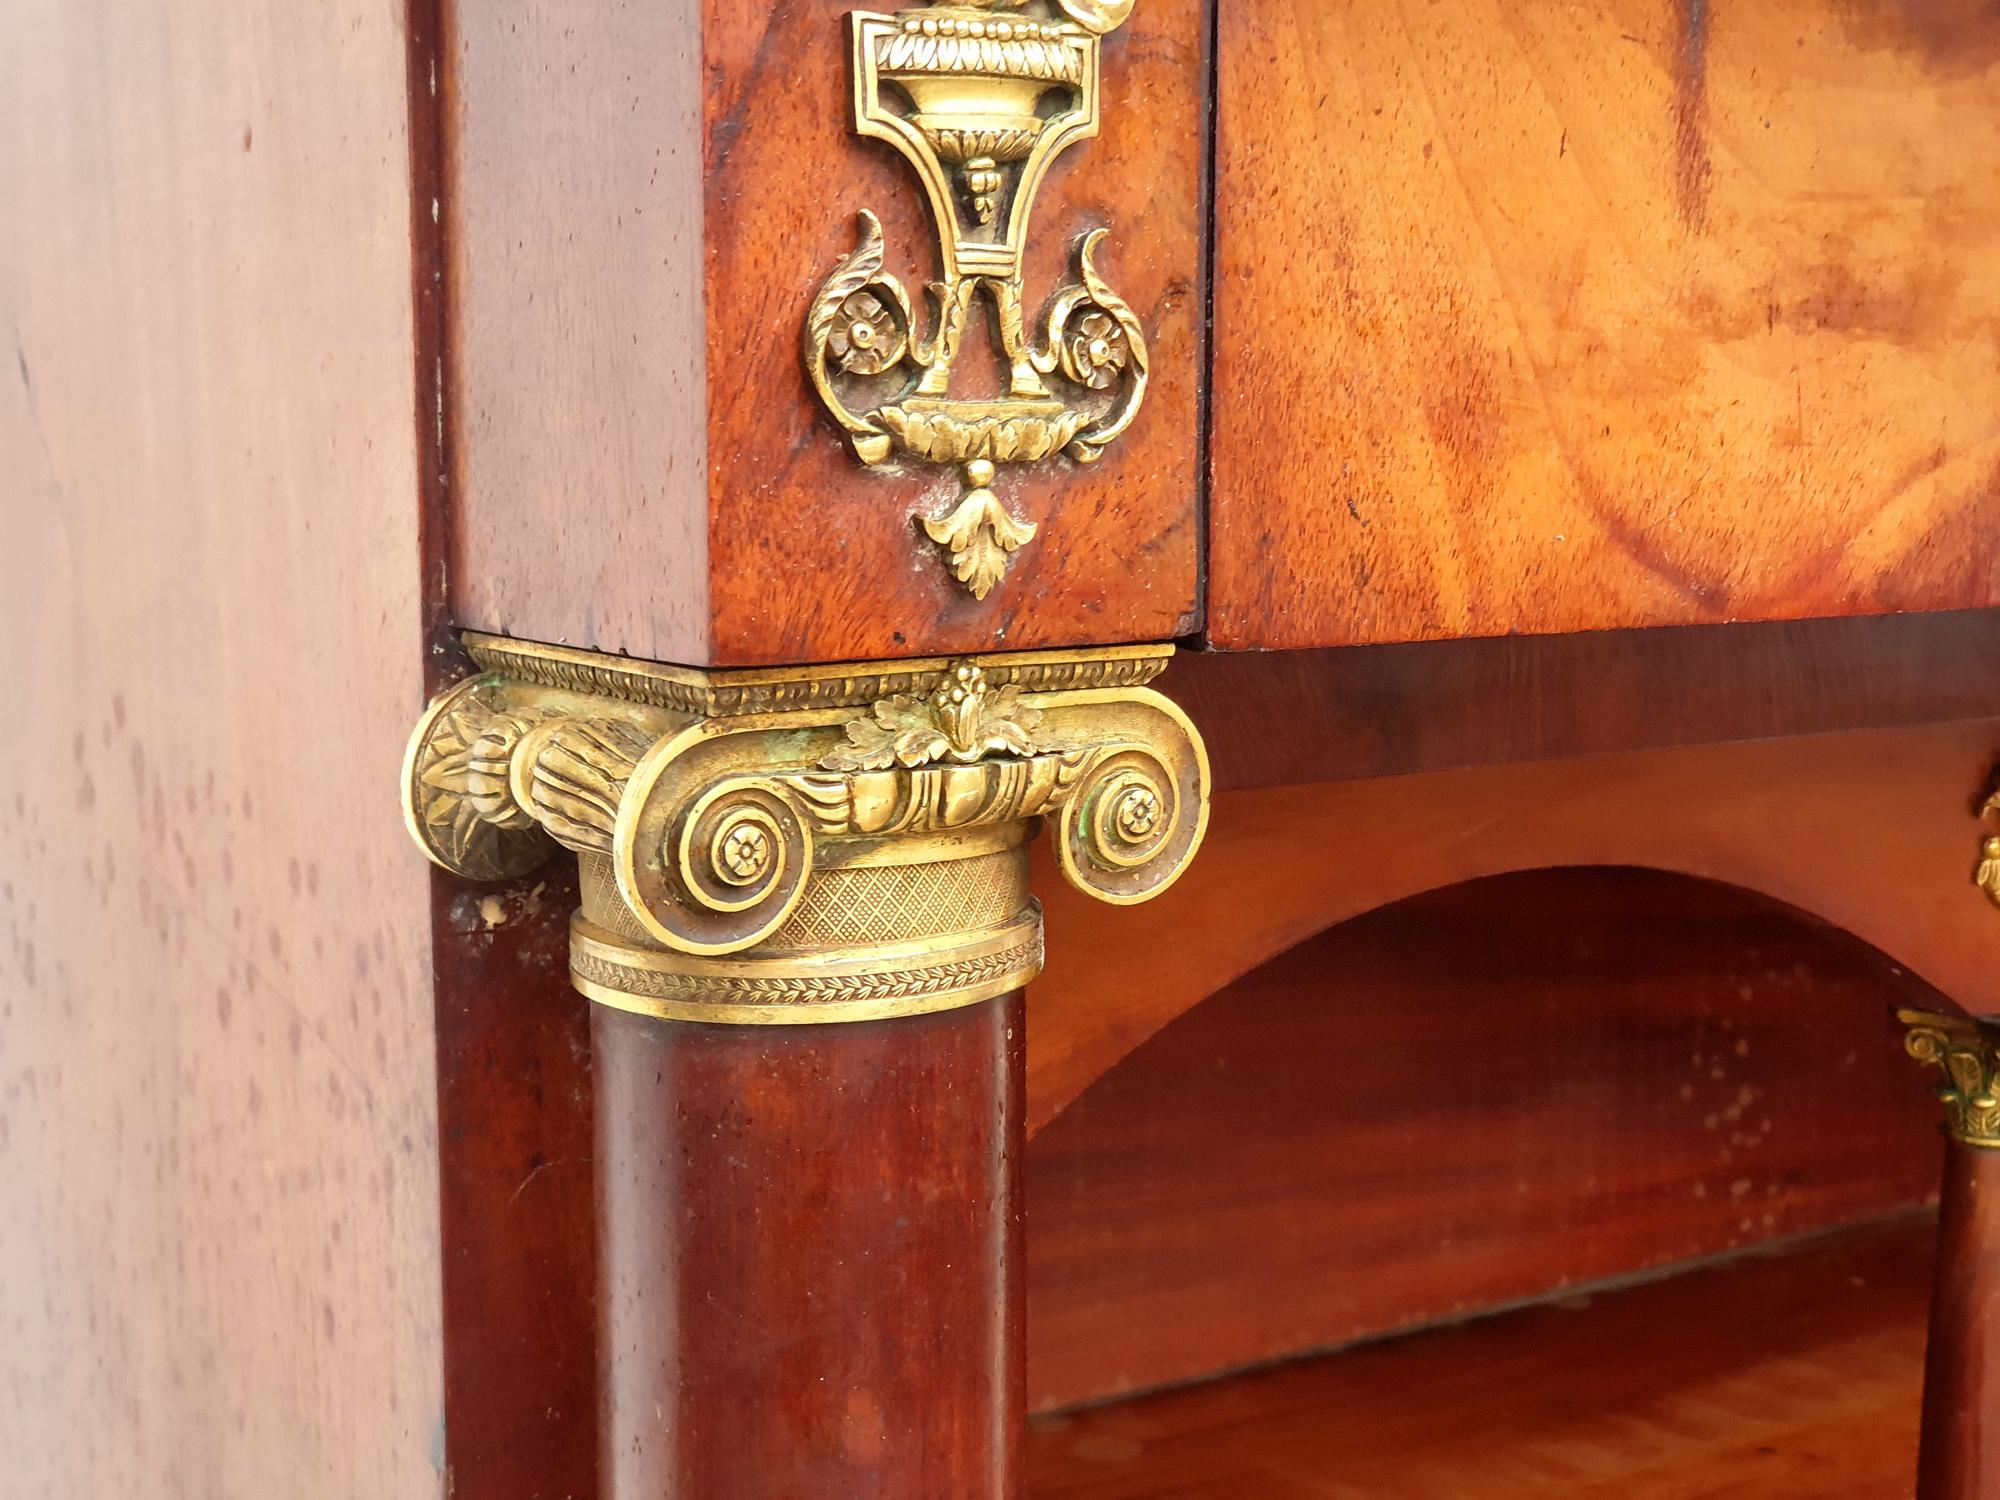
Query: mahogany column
point(805, 926)
point(811, 1256)
point(1960, 1457)
point(810, 1232)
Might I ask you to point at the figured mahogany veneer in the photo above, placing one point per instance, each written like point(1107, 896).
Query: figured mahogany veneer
point(1528, 317)
point(1549, 317)
point(1478, 1096)
point(642, 200)
point(1866, 830)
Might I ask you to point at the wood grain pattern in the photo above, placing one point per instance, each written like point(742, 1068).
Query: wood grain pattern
point(1961, 1425)
point(641, 201)
point(219, 1260)
point(1543, 317)
point(576, 367)
point(1873, 832)
point(810, 1256)
point(1491, 1093)
point(1801, 1386)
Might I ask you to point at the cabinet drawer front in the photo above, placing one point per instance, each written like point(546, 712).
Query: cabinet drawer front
point(1538, 316)
point(643, 201)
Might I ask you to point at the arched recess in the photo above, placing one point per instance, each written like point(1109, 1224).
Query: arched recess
point(1526, 1083)
point(1873, 832)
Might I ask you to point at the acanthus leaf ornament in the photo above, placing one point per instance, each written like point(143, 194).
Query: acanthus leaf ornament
point(456, 796)
point(980, 533)
point(980, 97)
point(963, 720)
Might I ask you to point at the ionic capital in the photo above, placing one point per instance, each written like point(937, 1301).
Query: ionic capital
point(1966, 1052)
point(808, 844)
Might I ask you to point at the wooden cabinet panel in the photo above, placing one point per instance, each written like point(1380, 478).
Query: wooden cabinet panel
point(1665, 1069)
point(640, 203)
point(219, 1259)
point(1545, 317)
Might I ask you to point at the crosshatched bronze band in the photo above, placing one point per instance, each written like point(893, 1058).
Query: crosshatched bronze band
point(779, 988)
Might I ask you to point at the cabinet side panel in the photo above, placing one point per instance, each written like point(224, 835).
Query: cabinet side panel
point(1536, 317)
point(219, 1257)
point(575, 365)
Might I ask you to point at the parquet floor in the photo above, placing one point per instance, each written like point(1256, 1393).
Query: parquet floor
point(1789, 1376)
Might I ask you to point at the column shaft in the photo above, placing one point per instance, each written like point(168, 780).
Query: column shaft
point(1961, 1431)
point(811, 1244)
point(806, 925)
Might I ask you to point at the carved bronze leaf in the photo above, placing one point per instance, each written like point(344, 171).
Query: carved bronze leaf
point(900, 731)
point(979, 534)
point(963, 720)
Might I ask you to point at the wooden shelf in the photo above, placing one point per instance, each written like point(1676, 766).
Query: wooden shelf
point(1779, 1377)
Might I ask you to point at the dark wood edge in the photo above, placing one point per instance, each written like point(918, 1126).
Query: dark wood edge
point(1295, 717)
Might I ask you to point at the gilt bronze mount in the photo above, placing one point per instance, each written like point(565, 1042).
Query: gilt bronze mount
point(980, 96)
point(1966, 1052)
point(810, 845)
point(1986, 875)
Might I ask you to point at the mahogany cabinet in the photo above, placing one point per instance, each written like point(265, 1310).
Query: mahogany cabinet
point(889, 505)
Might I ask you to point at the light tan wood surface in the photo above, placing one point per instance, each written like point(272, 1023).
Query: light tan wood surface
point(219, 1242)
point(1540, 316)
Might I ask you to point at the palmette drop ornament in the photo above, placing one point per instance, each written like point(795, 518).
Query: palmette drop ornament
point(980, 97)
